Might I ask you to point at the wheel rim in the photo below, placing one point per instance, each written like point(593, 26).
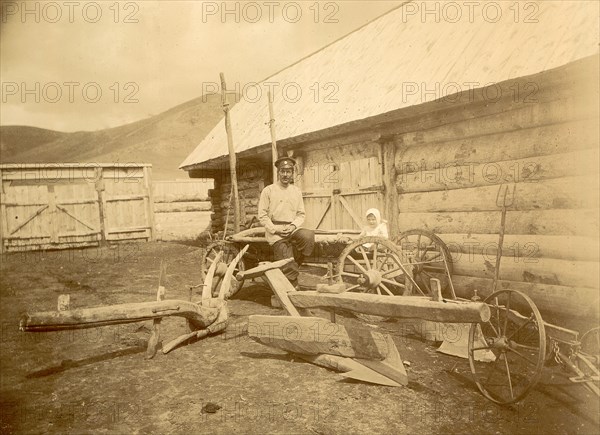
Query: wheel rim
point(230, 251)
point(590, 349)
point(516, 336)
point(429, 257)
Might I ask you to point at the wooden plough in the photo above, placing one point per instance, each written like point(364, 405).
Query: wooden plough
point(204, 317)
point(357, 351)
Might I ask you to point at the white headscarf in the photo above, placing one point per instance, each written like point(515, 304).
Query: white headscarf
point(375, 213)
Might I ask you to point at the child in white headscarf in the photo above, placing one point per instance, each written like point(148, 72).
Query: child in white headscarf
point(375, 226)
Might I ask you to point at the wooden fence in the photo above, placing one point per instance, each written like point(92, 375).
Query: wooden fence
point(69, 205)
point(181, 208)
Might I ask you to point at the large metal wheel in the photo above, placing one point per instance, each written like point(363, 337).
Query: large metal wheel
point(430, 258)
point(516, 342)
point(230, 251)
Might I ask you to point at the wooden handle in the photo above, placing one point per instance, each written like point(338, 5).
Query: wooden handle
point(259, 270)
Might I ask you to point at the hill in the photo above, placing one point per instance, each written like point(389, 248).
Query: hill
point(164, 140)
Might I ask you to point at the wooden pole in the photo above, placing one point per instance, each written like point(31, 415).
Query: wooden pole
point(274, 154)
point(232, 160)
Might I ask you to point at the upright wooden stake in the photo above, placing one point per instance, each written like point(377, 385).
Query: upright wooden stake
point(232, 160)
point(274, 154)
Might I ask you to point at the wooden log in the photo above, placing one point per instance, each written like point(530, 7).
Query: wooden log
point(173, 198)
point(170, 207)
point(456, 175)
point(536, 270)
point(518, 143)
point(116, 314)
point(525, 247)
point(582, 222)
point(402, 307)
point(575, 302)
point(562, 193)
point(313, 335)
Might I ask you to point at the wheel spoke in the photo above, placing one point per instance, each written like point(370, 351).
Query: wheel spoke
point(352, 274)
point(378, 291)
point(507, 311)
point(375, 256)
point(352, 287)
point(389, 281)
point(494, 329)
point(520, 327)
point(419, 246)
point(522, 356)
point(364, 255)
point(357, 264)
point(481, 348)
point(385, 288)
point(512, 396)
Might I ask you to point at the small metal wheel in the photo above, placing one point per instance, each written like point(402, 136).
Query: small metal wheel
point(507, 353)
point(590, 350)
point(230, 251)
point(374, 265)
point(429, 257)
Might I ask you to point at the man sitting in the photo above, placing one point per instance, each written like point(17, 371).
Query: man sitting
point(281, 212)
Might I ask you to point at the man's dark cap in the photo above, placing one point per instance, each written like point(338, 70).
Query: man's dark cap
point(285, 162)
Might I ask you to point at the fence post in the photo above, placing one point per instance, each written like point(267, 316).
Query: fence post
point(150, 202)
point(101, 204)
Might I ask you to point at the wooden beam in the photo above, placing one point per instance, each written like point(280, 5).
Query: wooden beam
point(353, 215)
point(389, 181)
point(116, 314)
point(281, 287)
point(30, 218)
point(257, 271)
point(232, 157)
point(400, 307)
point(313, 335)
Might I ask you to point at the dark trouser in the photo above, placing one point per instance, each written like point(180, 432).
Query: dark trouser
point(299, 245)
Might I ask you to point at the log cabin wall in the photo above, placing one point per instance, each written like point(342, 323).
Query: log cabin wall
point(253, 176)
point(451, 179)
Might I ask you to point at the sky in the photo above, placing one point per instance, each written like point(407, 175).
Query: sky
point(89, 65)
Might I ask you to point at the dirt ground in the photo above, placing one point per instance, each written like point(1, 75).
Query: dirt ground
point(98, 381)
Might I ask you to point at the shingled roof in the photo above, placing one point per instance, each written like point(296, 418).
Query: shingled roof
point(404, 59)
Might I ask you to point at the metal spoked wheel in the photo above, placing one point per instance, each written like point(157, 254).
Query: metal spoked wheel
point(429, 256)
point(590, 350)
point(230, 251)
point(507, 353)
point(375, 265)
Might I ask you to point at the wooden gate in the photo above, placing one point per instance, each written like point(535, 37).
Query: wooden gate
point(337, 194)
point(58, 206)
point(49, 216)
